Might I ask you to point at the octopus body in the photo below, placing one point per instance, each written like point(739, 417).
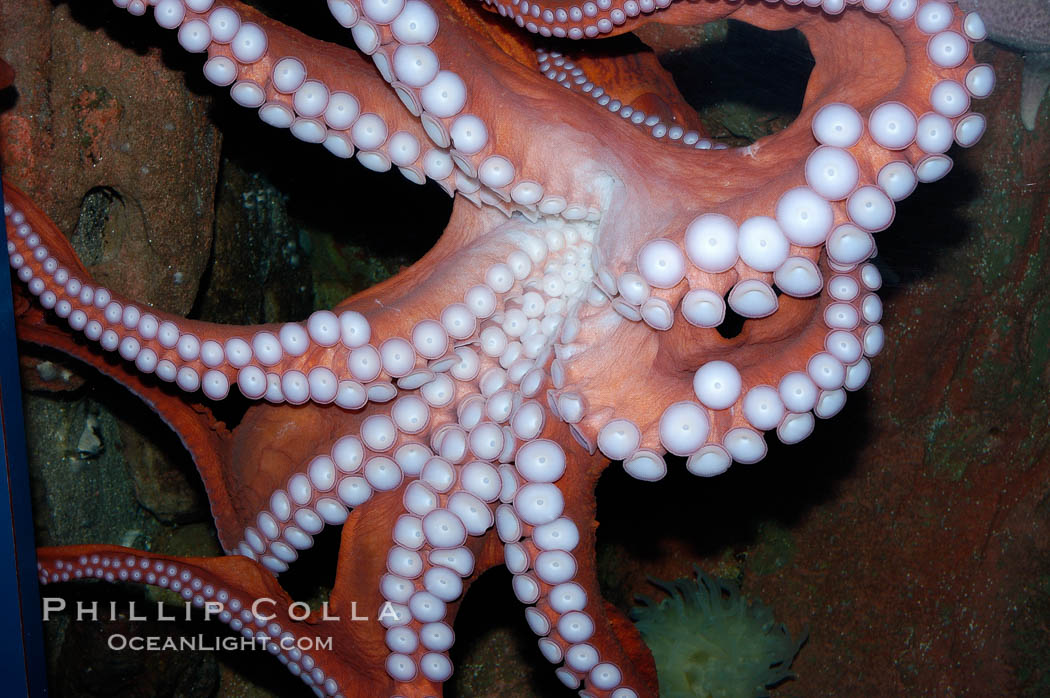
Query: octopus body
point(458, 415)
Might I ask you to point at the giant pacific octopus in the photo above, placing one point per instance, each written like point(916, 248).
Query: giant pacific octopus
point(457, 416)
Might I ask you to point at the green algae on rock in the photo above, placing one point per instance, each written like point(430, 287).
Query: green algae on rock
point(709, 641)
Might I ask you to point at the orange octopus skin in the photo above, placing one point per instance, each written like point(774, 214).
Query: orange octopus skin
point(565, 339)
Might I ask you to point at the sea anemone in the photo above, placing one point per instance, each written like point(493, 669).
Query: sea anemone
point(707, 640)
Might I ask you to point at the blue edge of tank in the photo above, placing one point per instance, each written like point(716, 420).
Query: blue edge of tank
point(21, 631)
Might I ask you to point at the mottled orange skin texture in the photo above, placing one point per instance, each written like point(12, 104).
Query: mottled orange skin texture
point(645, 189)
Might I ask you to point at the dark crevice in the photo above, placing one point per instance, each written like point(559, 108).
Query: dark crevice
point(97, 208)
point(312, 19)
point(724, 514)
point(733, 324)
point(744, 82)
point(311, 577)
point(491, 622)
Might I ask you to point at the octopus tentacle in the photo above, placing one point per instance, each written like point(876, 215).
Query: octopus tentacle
point(233, 590)
point(733, 385)
point(585, 20)
point(321, 92)
point(446, 507)
point(335, 100)
point(208, 441)
point(416, 587)
point(627, 98)
point(550, 551)
point(263, 361)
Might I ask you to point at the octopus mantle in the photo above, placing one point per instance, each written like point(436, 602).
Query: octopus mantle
point(458, 415)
